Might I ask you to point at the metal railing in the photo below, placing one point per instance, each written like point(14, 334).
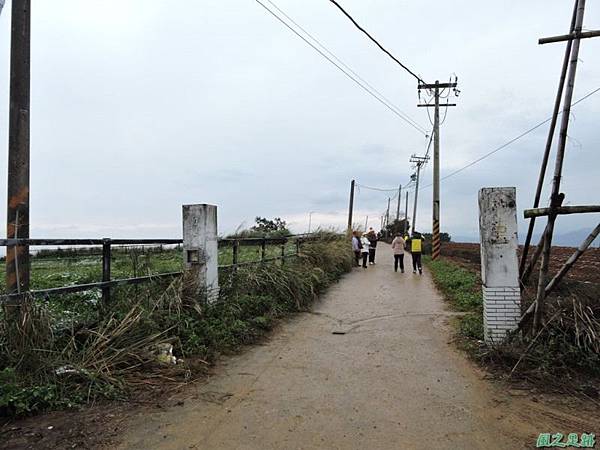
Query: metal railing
point(106, 282)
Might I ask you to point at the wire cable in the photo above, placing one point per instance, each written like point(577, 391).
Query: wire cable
point(406, 119)
point(512, 141)
point(353, 72)
point(419, 79)
point(376, 188)
point(428, 147)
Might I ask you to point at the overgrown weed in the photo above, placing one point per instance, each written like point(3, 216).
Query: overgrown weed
point(63, 354)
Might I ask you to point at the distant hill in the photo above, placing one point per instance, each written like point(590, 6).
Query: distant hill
point(571, 238)
point(568, 239)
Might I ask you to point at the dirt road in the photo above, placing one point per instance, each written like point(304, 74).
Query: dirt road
point(392, 381)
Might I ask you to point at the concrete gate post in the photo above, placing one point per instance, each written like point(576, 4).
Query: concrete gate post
point(499, 262)
point(200, 248)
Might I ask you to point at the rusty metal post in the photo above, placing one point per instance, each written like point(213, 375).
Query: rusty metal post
point(17, 217)
point(282, 254)
point(263, 250)
point(106, 256)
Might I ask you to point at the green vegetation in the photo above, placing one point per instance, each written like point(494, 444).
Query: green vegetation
point(70, 350)
point(462, 288)
point(64, 267)
point(564, 355)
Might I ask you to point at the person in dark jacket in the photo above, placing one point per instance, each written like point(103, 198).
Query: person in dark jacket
point(416, 248)
point(372, 237)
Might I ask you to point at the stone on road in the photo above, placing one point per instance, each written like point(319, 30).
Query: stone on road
point(387, 379)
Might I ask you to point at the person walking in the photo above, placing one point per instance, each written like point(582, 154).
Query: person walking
point(398, 248)
point(356, 247)
point(372, 237)
point(365, 249)
point(416, 247)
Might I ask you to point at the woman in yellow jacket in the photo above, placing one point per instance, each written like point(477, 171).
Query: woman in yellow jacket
point(416, 247)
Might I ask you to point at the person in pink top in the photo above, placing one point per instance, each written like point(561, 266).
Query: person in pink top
point(398, 248)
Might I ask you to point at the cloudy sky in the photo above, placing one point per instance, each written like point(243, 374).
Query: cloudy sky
point(140, 106)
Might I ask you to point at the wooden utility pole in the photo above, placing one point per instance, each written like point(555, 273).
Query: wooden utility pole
point(556, 197)
point(419, 161)
point(399, 200)
point(17, 217)
point(351, 207)
point(435, 252)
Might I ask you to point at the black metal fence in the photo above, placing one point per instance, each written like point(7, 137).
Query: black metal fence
point(106, 282)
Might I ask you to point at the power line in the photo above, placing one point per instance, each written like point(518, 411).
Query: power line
point(429, 145)
point(419, 79)
point(353, 72)
point(376, 188)
point(401, 115)
point(512, 141)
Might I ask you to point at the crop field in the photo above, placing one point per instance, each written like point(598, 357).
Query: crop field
point(587, 268)
point(52, 269)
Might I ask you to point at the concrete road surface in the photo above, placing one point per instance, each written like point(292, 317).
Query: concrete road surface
point(392, 381)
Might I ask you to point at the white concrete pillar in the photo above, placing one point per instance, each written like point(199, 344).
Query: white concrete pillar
point(200, 248)
point(499, 262)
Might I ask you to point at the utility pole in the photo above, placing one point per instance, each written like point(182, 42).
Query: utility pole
point(406, 215)
point(435, 253)
point(399, 200)
point(387, 217)
point(366, 222)
point(419, 161)
point(351, 206)
point(17, 217)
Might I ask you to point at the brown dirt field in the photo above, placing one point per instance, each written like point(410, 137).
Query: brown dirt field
point(587, 268)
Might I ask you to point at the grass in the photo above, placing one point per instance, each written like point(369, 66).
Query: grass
point(68, 351)
point(564, 356)
point(462, 289)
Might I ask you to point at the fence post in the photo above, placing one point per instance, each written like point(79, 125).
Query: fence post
point(106, 256)
point(263, 250)
point(283, 254)
point(499, 262)
point(200, 248)
point(236, 249)
point(298, 247)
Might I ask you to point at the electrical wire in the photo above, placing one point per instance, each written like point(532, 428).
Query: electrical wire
point(419, 79)
point(445, 113)
point(342, 63)
point(398, 113)
point(512, 141)
point(428, 147)
point(376, 188)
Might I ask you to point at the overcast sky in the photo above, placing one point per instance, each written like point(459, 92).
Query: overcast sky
point(140, 106)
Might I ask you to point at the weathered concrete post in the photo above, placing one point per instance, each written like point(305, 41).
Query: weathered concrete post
point(499, 262)
point(200, 248)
